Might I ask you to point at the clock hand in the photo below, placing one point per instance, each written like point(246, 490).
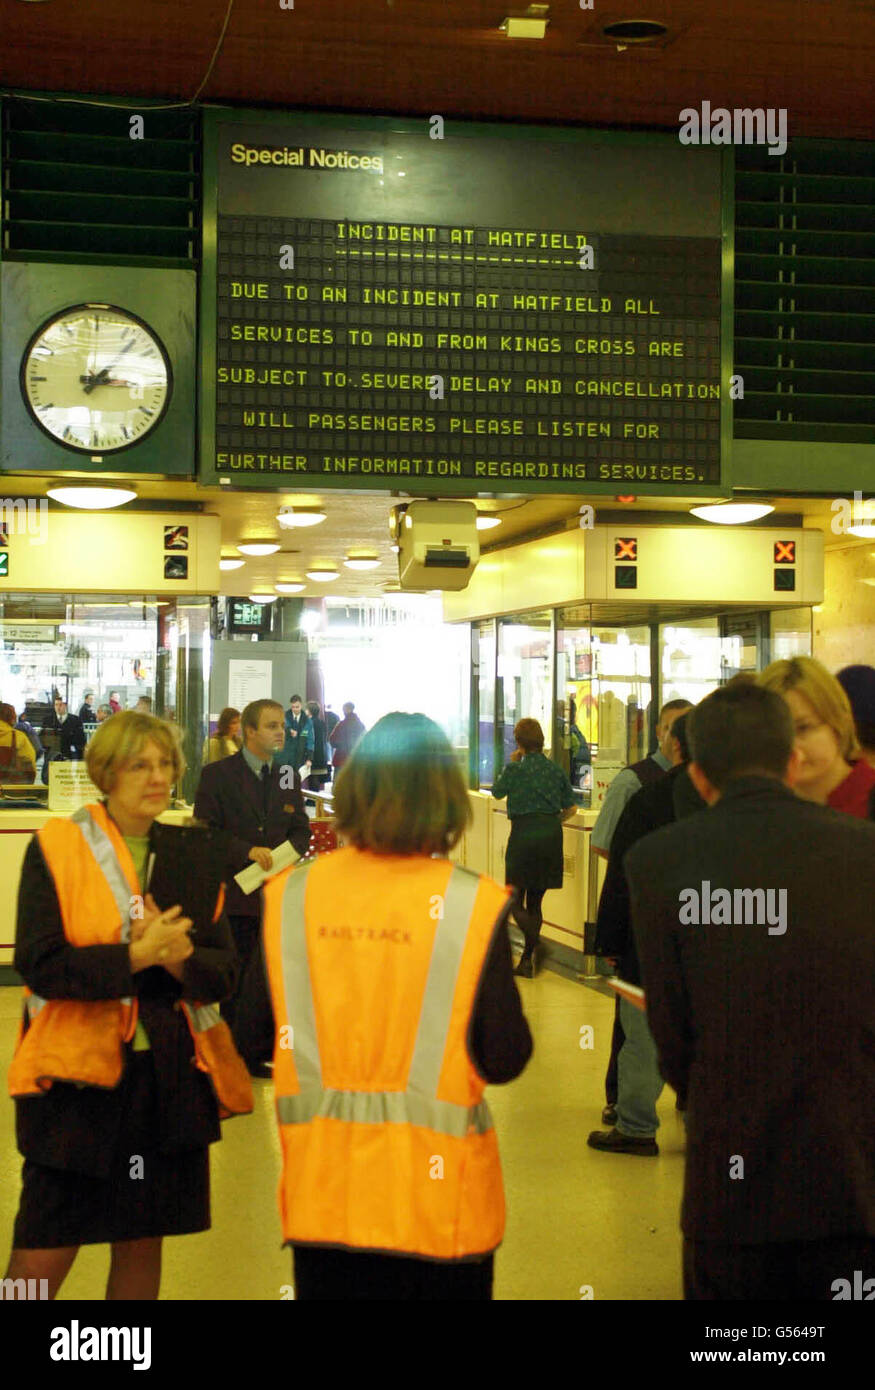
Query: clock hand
point(100, 378)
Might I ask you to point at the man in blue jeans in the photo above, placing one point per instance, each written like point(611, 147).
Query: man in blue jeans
point(639, 1084)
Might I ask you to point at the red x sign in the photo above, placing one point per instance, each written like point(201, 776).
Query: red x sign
point(625, 548)
point(785, 552)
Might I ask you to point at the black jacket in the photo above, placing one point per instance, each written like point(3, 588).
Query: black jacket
point(230, 797)
point(667, 798)
point(770, 1036)
point(72, 734)
point(75, 1128)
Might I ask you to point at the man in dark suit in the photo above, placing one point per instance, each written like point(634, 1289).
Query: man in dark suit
point(258, 806)
point(753, 925)
point(66, 737)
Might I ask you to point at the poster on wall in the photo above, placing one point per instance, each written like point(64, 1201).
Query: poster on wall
point(249, 680)
point(528, 309)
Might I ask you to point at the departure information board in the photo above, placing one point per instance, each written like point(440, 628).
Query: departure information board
point(475, 313)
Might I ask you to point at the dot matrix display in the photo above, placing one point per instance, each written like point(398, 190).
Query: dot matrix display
point(397, 354)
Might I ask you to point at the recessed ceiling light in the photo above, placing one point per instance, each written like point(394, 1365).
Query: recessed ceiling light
point(262, 598)
point(362, 562)
point(733, 513)
point(323, 576)
point(288, 517)
point(91, 499)
point(259, 547)
point(485, 521)
point(231, 564)
point(289, 588)
point(395, 549)
point(531, 24)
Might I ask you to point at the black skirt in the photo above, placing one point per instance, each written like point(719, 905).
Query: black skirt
point(533, 858)
point(342, 1275)
point(159, 1195)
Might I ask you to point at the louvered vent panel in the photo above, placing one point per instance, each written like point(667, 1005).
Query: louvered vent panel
point(77, 188)
point(805, 292)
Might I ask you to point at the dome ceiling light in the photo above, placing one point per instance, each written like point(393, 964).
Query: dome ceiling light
point(289, 517)
point(259, 547)
point(365, 560)
point(227, 563)
point(295, 587)
point(733, 513)
point(91, 499)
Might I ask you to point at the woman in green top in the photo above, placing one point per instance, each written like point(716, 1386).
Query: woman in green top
point(539, 799)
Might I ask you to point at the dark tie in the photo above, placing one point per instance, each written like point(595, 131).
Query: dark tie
point(265, 784)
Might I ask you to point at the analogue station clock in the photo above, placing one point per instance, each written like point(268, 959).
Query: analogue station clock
point(96, 378)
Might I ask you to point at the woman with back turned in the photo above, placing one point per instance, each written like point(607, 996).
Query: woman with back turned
point(394, 1005)
point(119, 1075)
point(539, 798)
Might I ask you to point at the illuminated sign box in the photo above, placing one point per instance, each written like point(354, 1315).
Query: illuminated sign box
point(490, 311)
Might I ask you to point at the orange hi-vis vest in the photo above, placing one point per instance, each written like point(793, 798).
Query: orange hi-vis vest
point(82, 1041)
point(374, 961)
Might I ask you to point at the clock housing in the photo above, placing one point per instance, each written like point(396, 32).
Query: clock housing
point(96, 378)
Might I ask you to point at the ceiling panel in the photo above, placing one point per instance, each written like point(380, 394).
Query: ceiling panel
point(448, 57)
point(361, 520)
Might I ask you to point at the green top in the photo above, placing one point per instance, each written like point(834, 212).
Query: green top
point(534, 786)
point(139, 848)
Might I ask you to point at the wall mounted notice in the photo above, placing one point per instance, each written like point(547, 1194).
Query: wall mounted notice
point(493, 310)
point(248, 680)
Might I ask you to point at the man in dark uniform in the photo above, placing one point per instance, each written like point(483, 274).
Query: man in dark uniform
point(753, 926)
point(258, 805)
point(63, 737)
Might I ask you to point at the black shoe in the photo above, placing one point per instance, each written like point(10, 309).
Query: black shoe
point(526, 968)
point(261, 1071)
point(615, 1142)
point(609, 1115)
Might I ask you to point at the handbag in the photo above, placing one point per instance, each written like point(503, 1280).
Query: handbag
point(15, 769)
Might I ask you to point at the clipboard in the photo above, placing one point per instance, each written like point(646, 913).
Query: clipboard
point(188, 867)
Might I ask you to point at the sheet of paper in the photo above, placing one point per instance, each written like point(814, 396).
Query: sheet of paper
point(248, 680)
point(634, 994)
point(251, 878)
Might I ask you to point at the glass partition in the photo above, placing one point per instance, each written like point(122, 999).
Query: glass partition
point(789, 633)
point(524, 685)
point(484, 676)
point(136, 651)
point(692, 659)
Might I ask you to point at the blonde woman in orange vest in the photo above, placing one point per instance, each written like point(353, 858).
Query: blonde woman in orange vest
point(120, 1074)
point(394, 1004)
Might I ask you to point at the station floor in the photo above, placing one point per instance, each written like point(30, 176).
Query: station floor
point(575, 1217)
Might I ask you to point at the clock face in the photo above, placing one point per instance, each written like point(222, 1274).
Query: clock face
point(96, 379)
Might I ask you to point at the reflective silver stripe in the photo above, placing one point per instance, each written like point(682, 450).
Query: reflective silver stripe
point(418, 1105)
point(102, 848)
point(296, 980)
point(203, 1017)
point(34, 1003)
point(385, 1107)
point(443, 971)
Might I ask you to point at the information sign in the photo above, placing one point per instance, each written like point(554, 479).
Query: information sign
point(481, 312)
